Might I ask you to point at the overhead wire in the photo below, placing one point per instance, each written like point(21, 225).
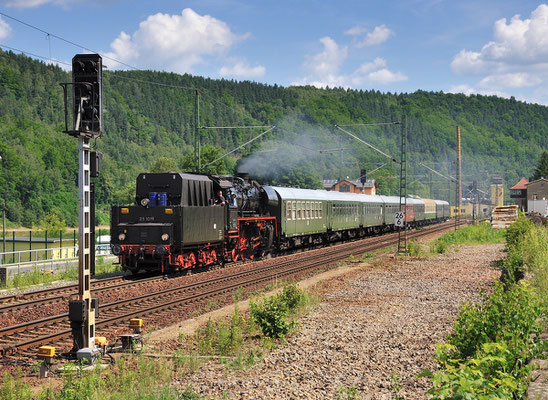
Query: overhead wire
point(34, 55)
point(65, 40)
point(203, 91)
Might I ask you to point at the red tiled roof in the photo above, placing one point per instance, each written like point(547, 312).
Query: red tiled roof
point(522, 184)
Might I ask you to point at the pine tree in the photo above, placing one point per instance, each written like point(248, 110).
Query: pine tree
point(542, 168)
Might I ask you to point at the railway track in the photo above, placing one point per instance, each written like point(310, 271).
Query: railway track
point(62, 293)
point(182, 300)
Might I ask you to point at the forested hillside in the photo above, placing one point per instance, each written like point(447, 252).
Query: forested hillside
point(149, 125)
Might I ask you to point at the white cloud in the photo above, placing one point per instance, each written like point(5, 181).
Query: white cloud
point(517, 57)
point(323, 69)
point(469, 63)
point(174, 42)
point(240, 68)
point(384, 76)
point(327, 62)
point(5, 29)
point(515, 80)
point(356, 31)
point(379, 35)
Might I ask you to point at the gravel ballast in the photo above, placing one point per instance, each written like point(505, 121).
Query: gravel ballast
point(374, 322)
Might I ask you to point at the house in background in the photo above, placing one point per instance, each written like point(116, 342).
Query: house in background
point(537, 196)
point(350, 186)
point(518, 192)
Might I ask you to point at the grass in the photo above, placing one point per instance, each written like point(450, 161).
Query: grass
point(39, 277)
point(128, 378)
point(469, 235)
point(236, 341)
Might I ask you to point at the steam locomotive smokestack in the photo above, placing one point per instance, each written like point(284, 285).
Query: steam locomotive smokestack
point(244, 176)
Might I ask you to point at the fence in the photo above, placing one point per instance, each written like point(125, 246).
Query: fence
point(32, 247)
point(43, 257)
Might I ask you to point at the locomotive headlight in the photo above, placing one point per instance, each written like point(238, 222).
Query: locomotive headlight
point(116, 249)
point(122, 237)
point(165, 237)
point(145, 201)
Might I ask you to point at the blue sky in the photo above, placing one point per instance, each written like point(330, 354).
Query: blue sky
point(489, 47)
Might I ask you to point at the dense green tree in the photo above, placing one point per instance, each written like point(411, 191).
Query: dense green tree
point(51, 223)
point(150, 121)
point(164, 164)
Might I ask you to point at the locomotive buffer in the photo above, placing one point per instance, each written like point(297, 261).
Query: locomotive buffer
point(87, 124)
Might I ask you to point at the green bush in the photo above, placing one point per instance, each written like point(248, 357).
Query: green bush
point(271, 313)
point(293, 297)
point(485, 376)
point(506, 315)
point(439, 246)
point(536, 258)
point(487, 354)
point(414, 249)
point(271, 316)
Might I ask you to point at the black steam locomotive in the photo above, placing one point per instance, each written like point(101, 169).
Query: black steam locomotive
point(183, 220)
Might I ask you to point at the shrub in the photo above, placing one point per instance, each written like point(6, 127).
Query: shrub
point(272, 312)
point(495, 319)
point(536, 258)
point(271, 316)
point(414, 249)
point(293, 297)
point(482, 377)
point(487, 354)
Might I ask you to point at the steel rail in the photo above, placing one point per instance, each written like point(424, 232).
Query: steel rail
point(336, 254)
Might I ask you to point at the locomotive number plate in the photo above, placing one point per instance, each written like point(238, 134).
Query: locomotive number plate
point(146, 219)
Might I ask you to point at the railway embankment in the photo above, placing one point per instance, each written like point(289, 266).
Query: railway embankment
point(374, 330)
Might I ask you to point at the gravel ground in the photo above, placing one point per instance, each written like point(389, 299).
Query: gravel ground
point(373, 322)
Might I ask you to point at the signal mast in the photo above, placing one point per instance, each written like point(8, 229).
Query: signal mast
point(87, 124)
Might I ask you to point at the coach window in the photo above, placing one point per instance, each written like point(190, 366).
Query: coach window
point(299, 210)
point(288, 209)
point(307, 210)
point(293, 208)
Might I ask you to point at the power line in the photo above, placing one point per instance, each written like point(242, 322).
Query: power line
point(34, 55)
point(154, 83)
point(50, 35)
point(65, 40)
